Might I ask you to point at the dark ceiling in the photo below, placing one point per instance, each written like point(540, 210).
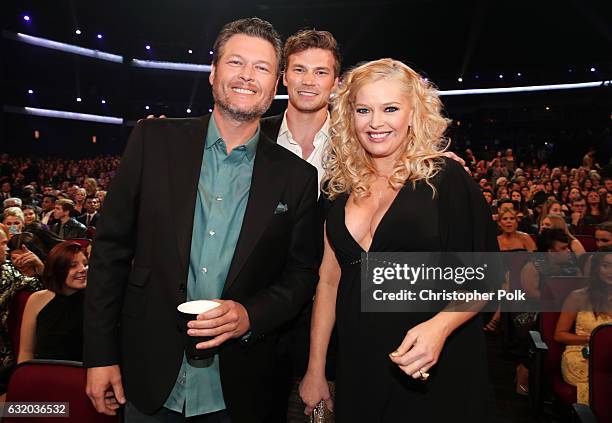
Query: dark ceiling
point(546, 41)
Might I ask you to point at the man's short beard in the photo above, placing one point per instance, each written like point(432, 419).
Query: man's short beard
point(241, 115)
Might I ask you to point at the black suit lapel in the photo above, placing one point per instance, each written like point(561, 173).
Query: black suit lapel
point(185, 155)
point(266, 189)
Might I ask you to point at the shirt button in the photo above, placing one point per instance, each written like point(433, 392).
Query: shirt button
point(204, 270)
point(211, 233)
point(219, 198)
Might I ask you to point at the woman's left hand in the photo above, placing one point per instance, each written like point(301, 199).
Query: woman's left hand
point(421, 348)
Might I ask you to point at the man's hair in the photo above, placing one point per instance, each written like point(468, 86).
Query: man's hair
point(67, 205)
point(605, 226)
point(547, 238)
point(310, 38)
point(15, 200)
point(576, 199)
point(51, 196)
point(253, 27)
point(91, 197)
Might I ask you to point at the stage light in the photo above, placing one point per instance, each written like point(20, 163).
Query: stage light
point(209, 110)
point(153, 64)
point(210, 52)
point(68, 48)
point(103, 102)
point(99, 36)
point(36, 134)
point(593, 69)
point(147, 107)
point(30, 91)
point(460, 79)
point(78, 99)
point(190, 51)
point(547, 108)
point(500, 76)
point(188, 110)
point(78, 32)
point(519, 74)
point(63, 115)
point(94, 139)
point(476, 76)
point(26, 18)
point(148, 47)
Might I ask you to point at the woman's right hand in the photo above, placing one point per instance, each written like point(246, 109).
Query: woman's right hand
point(313, 390)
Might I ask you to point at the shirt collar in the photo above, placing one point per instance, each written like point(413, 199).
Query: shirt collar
point(321, 135)
point(213, 137)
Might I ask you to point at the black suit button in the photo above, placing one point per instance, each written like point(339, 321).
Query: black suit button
point(182, 287)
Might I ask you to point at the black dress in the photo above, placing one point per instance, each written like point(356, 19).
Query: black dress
point(369, 386)
point(59, 328)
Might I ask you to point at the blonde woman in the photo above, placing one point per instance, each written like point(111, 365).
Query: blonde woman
point(390, 189)
point(555, 221)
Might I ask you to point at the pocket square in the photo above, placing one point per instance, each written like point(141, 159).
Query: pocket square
point(281, 208)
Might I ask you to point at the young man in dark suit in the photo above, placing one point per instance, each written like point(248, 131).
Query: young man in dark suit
point(244, 230)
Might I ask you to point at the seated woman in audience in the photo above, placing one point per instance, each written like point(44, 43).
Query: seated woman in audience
point(585, 309)
point(11, 281)
point(14, 220)
point(52, 325)
point(555, 221)
point(27, 253)
point(594, 212)
point(30, 214)
point(550, 207)
point(559, 261)
point(511, 239)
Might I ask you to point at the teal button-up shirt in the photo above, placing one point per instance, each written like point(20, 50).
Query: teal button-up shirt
point(223, 192)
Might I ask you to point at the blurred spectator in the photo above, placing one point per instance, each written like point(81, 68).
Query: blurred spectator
point(91, 215)
point(67, 227)
point(30, 213)
point(27, 253)
point(12, 202)
point(11, 281)
point(48, 206)
point(555, 221)
point(91, 186)
point(14, 220)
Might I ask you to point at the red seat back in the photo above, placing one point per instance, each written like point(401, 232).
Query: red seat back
point(588, 242)
point(53, 381)
point(15, 315)
point(600, 372)
point(553, 292)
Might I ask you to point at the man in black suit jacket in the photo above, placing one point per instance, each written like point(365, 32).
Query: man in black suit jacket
point(139, 267)
point(91, 215)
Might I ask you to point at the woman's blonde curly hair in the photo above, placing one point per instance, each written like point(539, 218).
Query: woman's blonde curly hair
point(348, 167)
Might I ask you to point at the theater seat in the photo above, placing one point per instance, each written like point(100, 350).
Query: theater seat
point(588, 242)
point(53, 381)
point(15, 315)
point(546, 352)
point(600, 372)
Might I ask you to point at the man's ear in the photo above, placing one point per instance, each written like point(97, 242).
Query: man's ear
point(211, 76)
point(284, 73)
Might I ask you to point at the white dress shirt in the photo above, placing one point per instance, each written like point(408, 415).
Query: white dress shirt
point(320, 143)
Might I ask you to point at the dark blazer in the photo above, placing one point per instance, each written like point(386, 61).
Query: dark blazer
point(271, 126)
point(72, 229)
point(94, 220)
point(139, 266)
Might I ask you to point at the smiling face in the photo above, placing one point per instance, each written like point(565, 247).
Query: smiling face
point(244, 78)
point(29, 216)
point(309, 78)
point(77, 274)
point(383, 116)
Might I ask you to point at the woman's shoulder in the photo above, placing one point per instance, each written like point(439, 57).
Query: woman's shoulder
point(39, 299)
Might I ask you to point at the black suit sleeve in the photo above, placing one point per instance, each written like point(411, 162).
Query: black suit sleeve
point(286, 296)
point(111, 258)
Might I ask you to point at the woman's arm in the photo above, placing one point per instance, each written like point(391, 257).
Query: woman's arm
point(530, 281)
point(577, 247)
point(27, 340)
point(563, 331)
point(528, 242)
point(313, 387)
